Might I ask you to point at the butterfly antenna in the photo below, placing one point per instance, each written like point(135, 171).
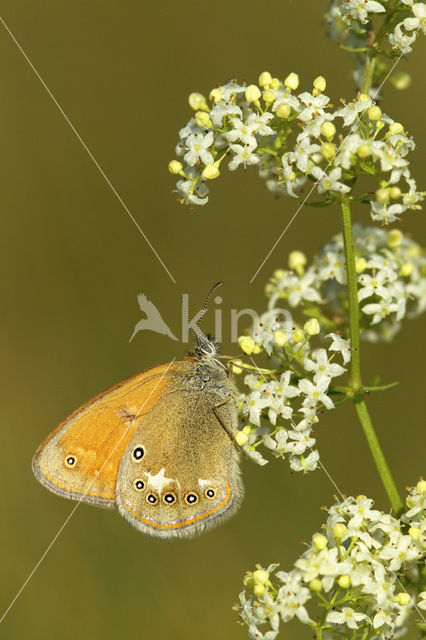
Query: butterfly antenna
point(204, 309)
point(185, 311)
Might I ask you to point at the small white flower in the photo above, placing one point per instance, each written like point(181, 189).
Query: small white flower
point(321, 366)
point(379, 310)
point(314, 106)
point(197, 145)
point(242, 155)
point(316, 393)
point(329, 182)
point(374, 285)
point(418, 22)
point(302, 154)
point(223, 109)
point(300, 463)
point(333, 266)
point(346, 616)
point(341, 345)
point(350, 112)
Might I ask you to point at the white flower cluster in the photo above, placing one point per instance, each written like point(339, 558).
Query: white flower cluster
point(346, 19)
point(391, 271)
point(293, 139)
point(359, 578)
point(292, 398)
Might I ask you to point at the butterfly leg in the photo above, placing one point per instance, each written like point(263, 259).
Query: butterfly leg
point(221, 422)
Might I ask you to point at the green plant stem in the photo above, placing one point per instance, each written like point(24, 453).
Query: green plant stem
point(369, 72)
point(355, 380)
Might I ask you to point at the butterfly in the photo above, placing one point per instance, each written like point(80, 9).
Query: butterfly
point(159, 446)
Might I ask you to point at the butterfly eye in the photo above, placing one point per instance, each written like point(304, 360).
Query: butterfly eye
point(169, 498)
point(191, 498)
point(138, 453)
point(151, 498)
point(70, 461)
point(210, 493)
point(139, 484)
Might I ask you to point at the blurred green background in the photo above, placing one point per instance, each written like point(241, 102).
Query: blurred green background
point(73, 264)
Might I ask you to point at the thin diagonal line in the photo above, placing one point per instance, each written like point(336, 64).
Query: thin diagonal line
point(86, 148)
point(64, 524)
point(314, 186)
point(343, 497)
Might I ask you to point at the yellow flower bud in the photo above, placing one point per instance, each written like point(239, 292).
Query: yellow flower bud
point(401, 80)
point(198, 102)
point(339, 530)
point(382, 196)
point(259, 590)
point(241, 438)
point(252, 93)
point(360, 265)
point(395, 193)
point(312, 327)
point(175, 166)
point(247, 429)
point(211, 171)
point(363, 151)
point(421, 486)
point(235, 368)
point(363, 97)
point(275, 83)
point(320, 83)
point(414, 532)
point(344, 581)
point(395, 128)
point(328, 150)
point(328, 130)
point(283, 111)
point(203, 119)
point(379, 125)
point(315, 585)
point(260, 576)
point(296, 261)
point(247, 344)
point(292, 81)
point(298, 335)
point(395, 237)
point(278, 273)
point(265, 79)
point(374, 113)
point(360, 498)
point(268, 97)
point(406, 269)
point(280, 338)
point(402, 598)
point(319, 541)
point(216, 95)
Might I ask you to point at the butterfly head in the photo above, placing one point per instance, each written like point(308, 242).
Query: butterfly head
point(206, 346)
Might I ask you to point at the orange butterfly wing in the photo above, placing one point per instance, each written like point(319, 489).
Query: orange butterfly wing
point(80, 458)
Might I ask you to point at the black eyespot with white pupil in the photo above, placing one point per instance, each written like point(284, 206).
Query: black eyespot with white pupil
point(139, 484)
point(169, 498)
point(210, 493)
point(191, 498)
point(138, 453)
point(152, 498)
point(70, 461)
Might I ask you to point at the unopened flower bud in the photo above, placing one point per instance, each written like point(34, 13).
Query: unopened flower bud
point(414, 532)
point(315, 585)
point(260, 576)
point(175, 166)
point(374, 113)
point(339, 530)
point(252, 93)
point(297, 261)
point(216, 95)
point(259, 590)
point(395, 238)
point(298, 335)
point(328, 150)
point(395, 128)
point(198, 102)
point(203, 119)
point(211, 171)
point(344, 581)
point(312, 327)
point(319, 541)
point(280, 338)
point(406, 269)
point(235, 368)
point(379, 125)
point(241, 438)
point(278, 274)
point(320, 83)
point(265, 79)
point(275, 83)
point(395, 193)
point(292, 81)
point(363, 151)
point(268, 97)
point(382, 196)
point(360, 265)
point(248, 345)
point(283, 111)
point(401, 80)
point(403, 598)
point(363, 97)
point(421, 486)
point(328, 130)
